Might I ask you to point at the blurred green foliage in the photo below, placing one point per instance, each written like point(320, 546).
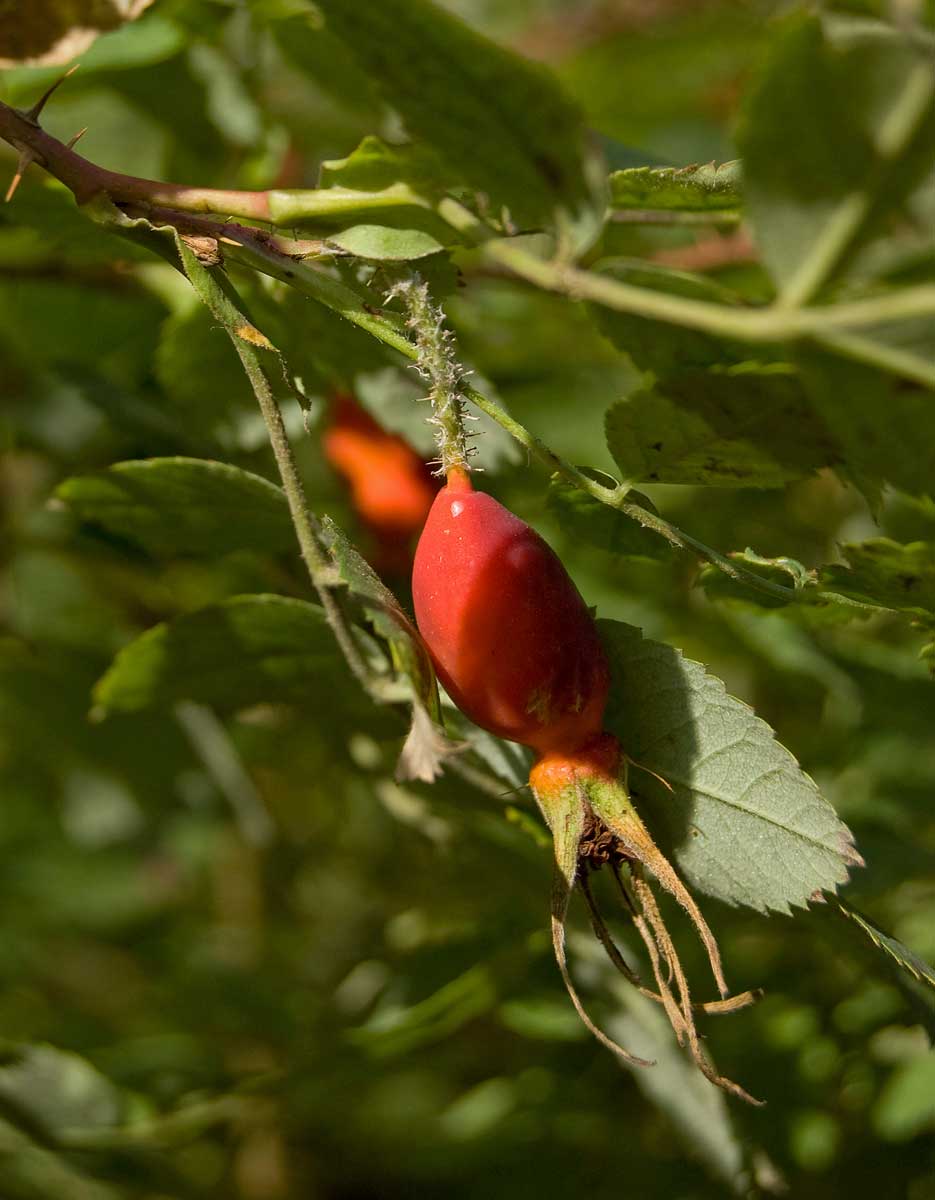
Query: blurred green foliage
point(239, 959)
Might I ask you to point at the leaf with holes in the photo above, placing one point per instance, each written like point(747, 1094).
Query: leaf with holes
point(725, 429)
point(707, 188)
point(500, 124)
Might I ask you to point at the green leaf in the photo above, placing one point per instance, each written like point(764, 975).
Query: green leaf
point(58, 1092)
point(384, 242)
point(658, 346)
point(379, 187)
point(708, 188)
point(501, 124)
point(743, 821)
point(595, 524)
point(824, 161)
point(47, 321)
point(906, 1107)
point(246, 650)
point(885, 427)
point(183, 506)
point(749, 428)
point(697, 1109)
point(901, 955)
point(376, 165)
point(426, 746)
point(887, 573)
point(807, 603)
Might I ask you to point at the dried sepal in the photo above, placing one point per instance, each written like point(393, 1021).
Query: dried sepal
point(587, 806)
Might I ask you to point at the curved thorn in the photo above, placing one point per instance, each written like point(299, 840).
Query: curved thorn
point(32, 114)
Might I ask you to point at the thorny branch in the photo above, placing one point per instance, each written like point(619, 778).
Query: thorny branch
point(194, 212)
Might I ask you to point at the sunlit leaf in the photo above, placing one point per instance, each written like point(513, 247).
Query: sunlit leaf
point(246, 650)
point(744, 822)
point(709, 188)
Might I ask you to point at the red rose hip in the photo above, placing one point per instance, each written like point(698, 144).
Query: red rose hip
point(511, 638)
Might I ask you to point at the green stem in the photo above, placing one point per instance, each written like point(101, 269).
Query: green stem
point(305, 524)
point(770, 324)
point(845, 222)
point(616, 497)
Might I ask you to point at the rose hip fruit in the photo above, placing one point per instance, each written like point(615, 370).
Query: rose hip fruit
point(511, 638)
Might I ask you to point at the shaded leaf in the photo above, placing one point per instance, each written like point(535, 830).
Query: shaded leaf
point(32, 1171)
point(398, 1029)
point(697, 1109)
point(51, 228)
point(743, 822)
point(246, 650)
point(807, 600)
point(645, 78)
point(58, 1092)
point(906, 1107)
point(48, 321)
point(823, 159)
point(183, 506)
point(595, 524)
point(501, 124)
point(747, 428)
point(661, 347)
point(707, 188)
point(887, 573)
point(885, 427)
point(192, 349)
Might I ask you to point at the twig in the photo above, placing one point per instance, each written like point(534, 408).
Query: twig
point(87, 180)
point(282, 260)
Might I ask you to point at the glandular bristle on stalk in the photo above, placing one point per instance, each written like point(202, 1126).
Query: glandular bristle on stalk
point(438, 365)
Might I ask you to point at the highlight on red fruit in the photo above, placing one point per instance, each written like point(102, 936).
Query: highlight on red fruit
point(511, 638)
point(391, 487)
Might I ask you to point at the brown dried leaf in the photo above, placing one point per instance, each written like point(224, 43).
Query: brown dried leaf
point(45, 33)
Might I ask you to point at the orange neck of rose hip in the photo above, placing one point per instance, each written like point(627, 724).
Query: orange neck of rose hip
point(457, 479)
point(599, 759)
